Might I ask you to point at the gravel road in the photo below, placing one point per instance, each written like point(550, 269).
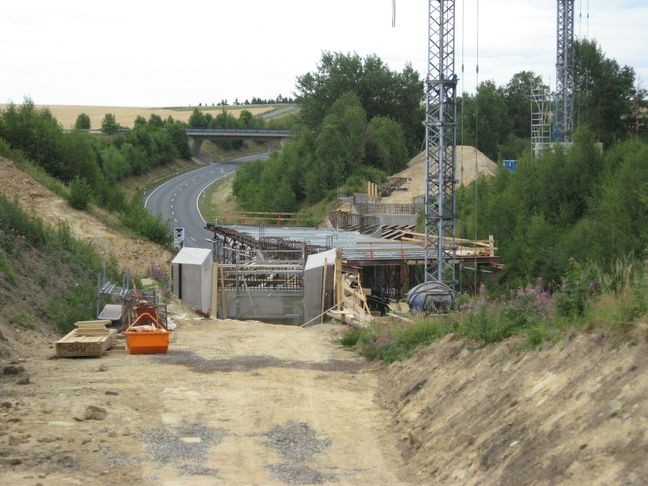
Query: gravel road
point(231, 403)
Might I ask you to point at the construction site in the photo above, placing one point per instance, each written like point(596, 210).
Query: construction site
point(363, 349)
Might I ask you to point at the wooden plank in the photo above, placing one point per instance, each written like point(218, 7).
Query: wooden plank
point(101, 324)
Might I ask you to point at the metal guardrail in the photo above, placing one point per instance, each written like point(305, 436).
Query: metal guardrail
point(232, 132)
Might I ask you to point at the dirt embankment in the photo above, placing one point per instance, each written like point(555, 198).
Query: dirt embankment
point(133, 253)
point(575, 413)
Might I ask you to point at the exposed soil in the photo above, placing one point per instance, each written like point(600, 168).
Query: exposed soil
point(135, 254)
point(575, 413)
point(470, 163)
point(231, 403)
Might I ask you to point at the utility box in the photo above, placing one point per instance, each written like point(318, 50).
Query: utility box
point(191, 277)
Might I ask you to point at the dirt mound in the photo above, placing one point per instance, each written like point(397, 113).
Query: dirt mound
point(575, 413)
point(133, 253)
point(470, 162)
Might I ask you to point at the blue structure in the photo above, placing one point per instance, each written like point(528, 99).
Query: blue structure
point(510, 165)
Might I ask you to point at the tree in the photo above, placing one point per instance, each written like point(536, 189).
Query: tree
point(486, 120)
point(341, 142)
point(82, 122)
point(386, 147)
point(155, 121)
point(79, 197)
point(517, 94)
point(604, 92)
point(197, 119)
point(381, 91)
point(115, 165)
point(109, 124)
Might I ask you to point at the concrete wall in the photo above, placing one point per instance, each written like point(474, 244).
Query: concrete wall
point(277, 307)
point(397, 219)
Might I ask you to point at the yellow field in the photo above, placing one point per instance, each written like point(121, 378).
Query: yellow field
point(125, 115)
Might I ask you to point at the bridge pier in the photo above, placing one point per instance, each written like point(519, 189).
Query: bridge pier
point(194, 144)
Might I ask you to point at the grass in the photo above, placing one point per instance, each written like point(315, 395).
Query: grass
point(46, 276)
point(39, 174)
point(218, 200)
point(530, 315)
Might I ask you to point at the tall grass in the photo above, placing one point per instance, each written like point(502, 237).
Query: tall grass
point(590, 297)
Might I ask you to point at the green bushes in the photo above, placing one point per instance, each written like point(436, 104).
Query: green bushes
point(138, 219)
point(613, 300)
point(578, 204)
point(79, 197)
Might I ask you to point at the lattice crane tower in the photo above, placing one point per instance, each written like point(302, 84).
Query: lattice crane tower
point(440, 145)
point(565, 71)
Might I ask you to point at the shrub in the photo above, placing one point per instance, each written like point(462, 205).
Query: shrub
point(80, 192)
point(351, 337)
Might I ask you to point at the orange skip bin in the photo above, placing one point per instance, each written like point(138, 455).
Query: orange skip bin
point(147, 342)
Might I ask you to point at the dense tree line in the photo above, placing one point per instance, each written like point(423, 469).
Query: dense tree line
point(92, 165)
point(255, 101)
point(358, 121)
point(578, 203)
point(497, 118)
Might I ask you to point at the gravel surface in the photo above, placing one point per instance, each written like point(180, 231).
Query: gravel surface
point(197, 363)
point(188, 443)
point(298, 443)
point(193, 470)
point(299, 474)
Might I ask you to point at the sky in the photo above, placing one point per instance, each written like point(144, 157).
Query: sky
point(169, 53)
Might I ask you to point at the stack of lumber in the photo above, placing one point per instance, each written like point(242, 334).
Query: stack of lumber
point(90, 338)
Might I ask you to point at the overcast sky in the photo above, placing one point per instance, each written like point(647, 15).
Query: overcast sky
point(169, 53)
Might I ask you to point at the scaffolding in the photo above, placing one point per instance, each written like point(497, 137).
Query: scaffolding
point(541, 118)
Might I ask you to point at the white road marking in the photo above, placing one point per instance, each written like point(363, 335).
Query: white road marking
point(193, 239)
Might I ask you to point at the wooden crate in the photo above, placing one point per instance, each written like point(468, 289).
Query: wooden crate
point(91, 338)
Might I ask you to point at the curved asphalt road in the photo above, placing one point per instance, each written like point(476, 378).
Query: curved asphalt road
point(177, 199)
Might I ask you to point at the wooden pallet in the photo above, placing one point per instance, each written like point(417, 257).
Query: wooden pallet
point(90, 338)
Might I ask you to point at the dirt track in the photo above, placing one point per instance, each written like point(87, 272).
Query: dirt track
point(231, 403)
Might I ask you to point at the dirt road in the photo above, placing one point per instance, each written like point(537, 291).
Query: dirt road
point(231, 403)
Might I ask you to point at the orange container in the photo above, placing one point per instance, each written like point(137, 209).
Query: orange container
point(147, 342)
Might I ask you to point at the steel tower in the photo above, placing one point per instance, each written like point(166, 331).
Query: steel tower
point(440, 142)
point(565, 71)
